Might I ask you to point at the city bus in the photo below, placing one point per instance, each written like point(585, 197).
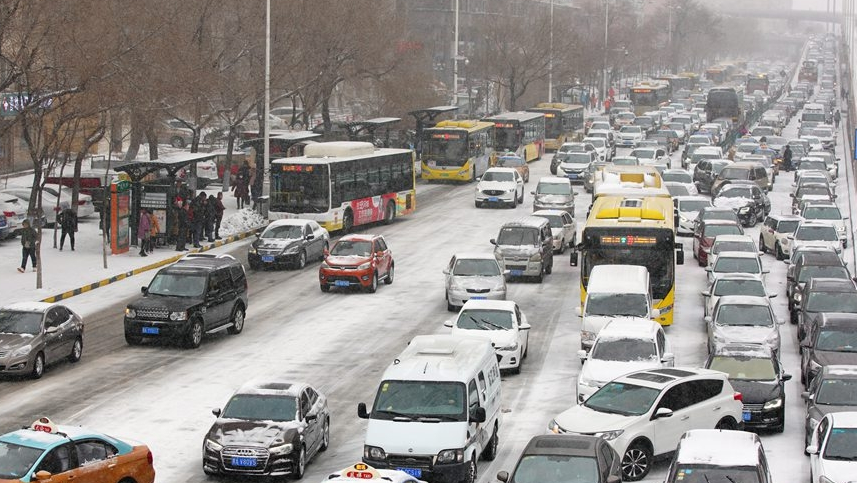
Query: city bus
point(693, 77)
point(650, 96)
point(520, 132)
point(343, 184)
point(633, 230)
point(757, 82)
point(725, 102)
point(677, 82)
point(456, 150)
point(717, 74)
point(563, 123)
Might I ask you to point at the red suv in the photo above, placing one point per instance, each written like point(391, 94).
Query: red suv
point(357, 261)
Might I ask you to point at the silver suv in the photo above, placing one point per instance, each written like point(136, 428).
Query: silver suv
point(553, 193)
point(525, 247)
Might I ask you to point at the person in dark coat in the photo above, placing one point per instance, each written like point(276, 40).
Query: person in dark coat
point(67, 220)
point(242, 185)
point(218, 214)
point(28, 246)
point(787, 158)
point(181, 225)
point(210, 217)
point(197, 208)
point(144, 231)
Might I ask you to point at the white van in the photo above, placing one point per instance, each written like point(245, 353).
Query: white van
point(437, 410)
point(614, 290)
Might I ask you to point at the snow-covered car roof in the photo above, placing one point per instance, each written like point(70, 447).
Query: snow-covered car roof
point(719, 448)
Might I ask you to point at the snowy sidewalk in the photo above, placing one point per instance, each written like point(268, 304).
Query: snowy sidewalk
point(70, 271)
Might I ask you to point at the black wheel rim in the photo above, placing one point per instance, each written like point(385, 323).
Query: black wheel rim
point(635, 463)
point(239, 319)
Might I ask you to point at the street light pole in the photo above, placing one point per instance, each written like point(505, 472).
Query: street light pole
point(455, 60)
point(266, 160)
point(604, 71)
point(550, 60)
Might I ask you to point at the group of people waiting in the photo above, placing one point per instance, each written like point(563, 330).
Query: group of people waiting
point(198, 219)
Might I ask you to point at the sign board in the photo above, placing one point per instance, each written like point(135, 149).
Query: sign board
point(120, 212)
point(154, 200)
point(11, 103)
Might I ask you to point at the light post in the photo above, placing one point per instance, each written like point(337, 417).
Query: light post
point(550, 60)
point(604, 69)
point(455, 60)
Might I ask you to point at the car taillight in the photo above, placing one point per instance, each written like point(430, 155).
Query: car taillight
point(149, 458)
point(738, 397)
point(81, 202)
point(9, 213)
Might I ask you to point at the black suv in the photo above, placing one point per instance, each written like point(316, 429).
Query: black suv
point(750, 203)
point(195, 295)
point(705, 172)
point(834, 389)
point(809, 265)
point(826, 295)
point(832, 340)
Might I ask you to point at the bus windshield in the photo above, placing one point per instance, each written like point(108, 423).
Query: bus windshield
point(300, 188)
point(507, 138)
point(448, 151)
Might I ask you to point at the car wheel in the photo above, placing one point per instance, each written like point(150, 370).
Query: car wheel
point(194, 335)
point(133, 340)
point(324, 287)
point(762, 247)
point(388, 280)
point(374, 285)
point(324, 250)
point(636, 462)
point(517, 369)
point(726, 424)
point(38, 366)
point(490, 451)
point(301, 260)
point(541, 276)
point(325, 435)
point(177, 142)
point(237, 320)
point(562, 246)
point(390, 212)
point(300, 464)
point(549, 267)
point(76, 350)
point(347, 223)
point(779, 250)
point(472, 473)
point(521, 199)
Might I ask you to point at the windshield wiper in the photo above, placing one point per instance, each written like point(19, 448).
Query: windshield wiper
point(499, 327)
point(437, 417)
point(395, 414)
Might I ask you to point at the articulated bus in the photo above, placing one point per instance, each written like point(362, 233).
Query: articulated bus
point(561, 122)
point(520, 132)
point(650, 96)
point(456, 150)
point(343, 184)
point(634, 230)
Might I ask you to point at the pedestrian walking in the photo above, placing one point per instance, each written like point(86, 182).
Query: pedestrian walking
point(144, 231)
point(218, 213)
point(154, 232)
point(787, 158)
point(837, 117)
point(181, 225)
point(28, 246)
point(242, 185)
point(593, 101)
point(67, 220)
point(197, 208)
point(209, 218)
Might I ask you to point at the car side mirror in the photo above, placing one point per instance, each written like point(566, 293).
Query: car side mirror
point(705, 293)
point(361, 411)
point(663, 413)
point(533, 193)
point(806, 396)
point(582, 355)
point(668, 357)
point(325, 252)
point(478, 179)
point(786, 377)
point(781, 320)
point(311, 417)
point(579, 311)
point(51, 330)
point(311, 236)
point(655, 313)
point(216, 412)
point(43, 475)
point(144, 290)
point(812, 449)
point(493, 241)
point(503, 476)
point(478, 415)
point(707, 319)
point(258, 234)
point(447, 323)
point(772, 295)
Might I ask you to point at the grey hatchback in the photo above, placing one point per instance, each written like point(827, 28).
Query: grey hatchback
point(35, 334)
point(561, 457)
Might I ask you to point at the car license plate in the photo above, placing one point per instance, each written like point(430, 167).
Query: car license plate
point(517, 273)
point(243, 461)
point(746, 416)
point(268, 258)
point(151, 330)
point(478, 297)
point(572, 176)
point(341, 283)
point(415, 472)
point(493, 199)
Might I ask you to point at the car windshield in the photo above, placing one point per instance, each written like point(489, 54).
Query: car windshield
point(352, 248)
point(726, 264)
point(16, 460)
point(812, 190)
point(754, 288)
point(178, 284)
point(734, 173)
point(816, 233)
point(283, 231)
point(837, 392)
point(510, 161)
point(626, 350)
point(471, 267)
point(555, 220)
point(498, 176)
point(712, 231)
point(617, 304)
point(622, 398)
point(484, 319)
point(19, 322)
point(822, 213)
point(597, 142)
point(717, 167)
point(807, 272)
point(689, 206)
point(841, 444)
point(556, 468)
point(553, 189)
point(744, 315)
point(625, 161)
point(838, 339)
point(733, 246)
point(517, 236)
point(696, 473)
point(736, 192)
point(820, 165)
point(577, 158)
point(787, 226)
point(678, 177)
point(411, 400)
point(745, 368)
point(631, 130)
point(258, 407)
point(678, 190)
point(643, 153)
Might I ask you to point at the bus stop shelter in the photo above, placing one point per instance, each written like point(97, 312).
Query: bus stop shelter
point(425, 119)
point(367, 130)
point(156, 196)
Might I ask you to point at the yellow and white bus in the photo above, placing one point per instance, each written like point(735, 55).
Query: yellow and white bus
point(343, 184)
point(650, 96)
point(456, 150)
point(521, 132)
point(563, 123)
point(634, 231)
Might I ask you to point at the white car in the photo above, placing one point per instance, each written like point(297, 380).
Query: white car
point(474, 276)
point(743, 319)
point(624, 345)
point(563, 228)
point(833, 448)
point(736, 262)
point(731, 243)
point(773, 236)
point(85, 208)
point(49, 202)
point(631, 136)
point(499, 321)
point(15, 210)
point(601, 147)
point(681, 176)
point(827, 213)
point(815, 143)
point(500, 186)
point(651, 156)
point(643, 415)
point(686, 211)
point(733, 284)
point(817, 233)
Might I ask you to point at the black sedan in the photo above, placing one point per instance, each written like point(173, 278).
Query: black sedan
point(290, 242)
point(267, 428)
point(832, 340)
point(750, 203)
point(834, 389)
point(556, 457)
point(755, 371)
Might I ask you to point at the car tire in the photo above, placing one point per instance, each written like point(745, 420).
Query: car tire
point(762, 247)
point(374, 285)
point(193, 339)
point(562, 246)
point(38, 366)
point(237, 319)
point(388, 280)
point(779, 251)
point(324, 287)
point(76, 351)
point(300, 464)
point(301, 263)
point(636, 462)
point(347, 223)
point(521, 199)
point(472, 471)
point(177, 142)
point(726, 424)
point(541, 276)
point(514, 203)
point(133, 340)
point(490, 451)
point(517, 369)
point(325, 435)
point(477, 204)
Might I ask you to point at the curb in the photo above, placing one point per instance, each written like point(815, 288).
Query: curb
point(152, 266)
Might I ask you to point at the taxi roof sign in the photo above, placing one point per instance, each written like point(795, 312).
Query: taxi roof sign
point(360, 471)
point(44, 425)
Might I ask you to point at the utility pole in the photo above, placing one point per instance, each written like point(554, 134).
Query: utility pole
point(550, 60)
point(455, 60)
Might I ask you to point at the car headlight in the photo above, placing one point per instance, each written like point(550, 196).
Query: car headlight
point(364, 266)
point(587, 335)
point(773, 339)
point(583, 381)
point(22, 351)
point(555, 428)
point(450, 456)
point(610, 435)
point(213, 446)
point(178, 315)
point(291, 250)
point(797, 296)
point(744, 209)
point(373, 453)
point(500, 287)
point(510, 347)
point(251, 250)
point(281, 449)
point(773, 404)
point(130, 313)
